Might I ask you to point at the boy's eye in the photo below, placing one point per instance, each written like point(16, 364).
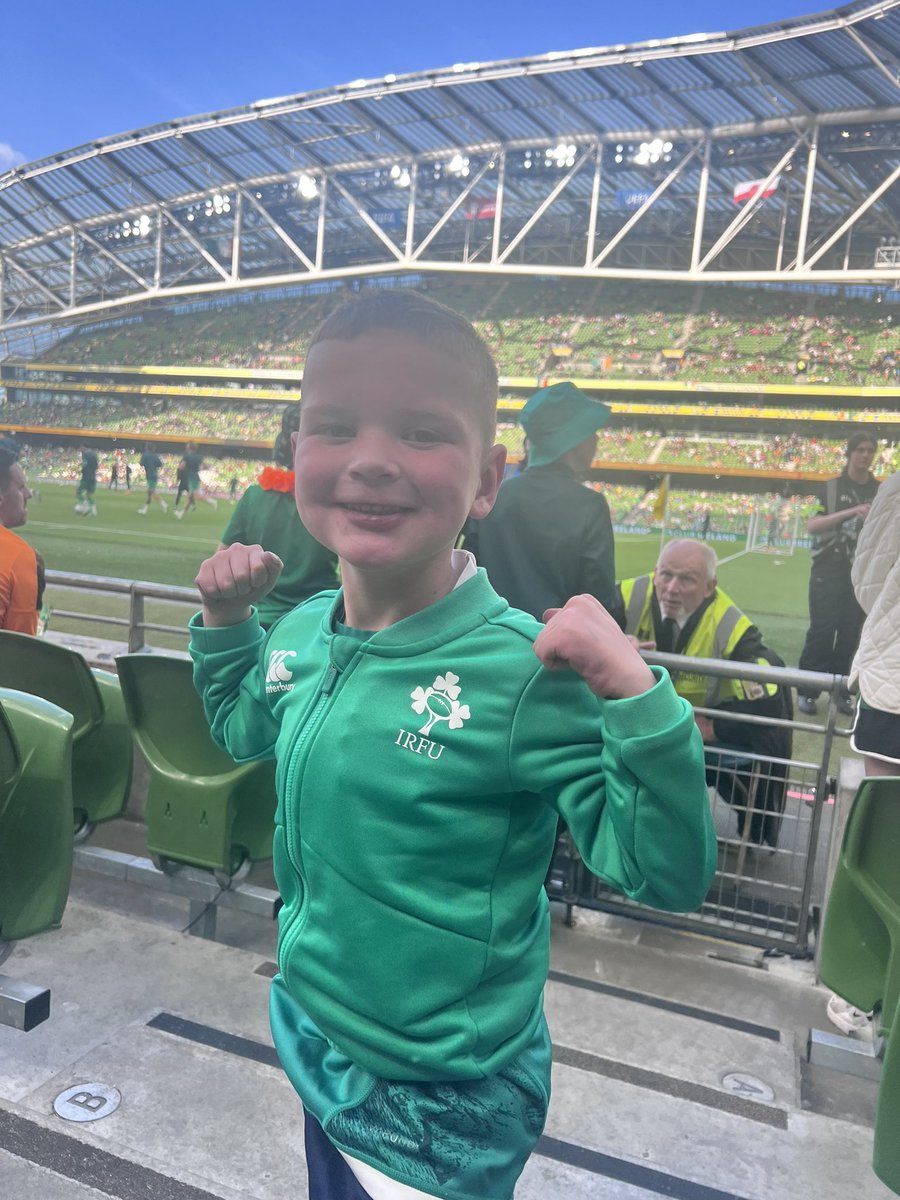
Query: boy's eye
point(334, 429)
point(425, 437)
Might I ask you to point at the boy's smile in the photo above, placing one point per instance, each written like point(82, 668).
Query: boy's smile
point(391, 459)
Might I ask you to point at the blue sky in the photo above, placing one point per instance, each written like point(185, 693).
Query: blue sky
point(76, 71)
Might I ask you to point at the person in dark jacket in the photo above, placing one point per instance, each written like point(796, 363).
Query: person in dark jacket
point(835, 617)
point(549, 537)
point(266, 514)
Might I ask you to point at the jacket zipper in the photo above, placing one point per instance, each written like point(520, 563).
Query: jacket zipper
point(303, 737)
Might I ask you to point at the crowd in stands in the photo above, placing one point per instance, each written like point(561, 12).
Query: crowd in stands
point(702, 513)
point(259, 422)
point(603, 329)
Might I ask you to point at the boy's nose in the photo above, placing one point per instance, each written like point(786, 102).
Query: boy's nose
point(373, 457)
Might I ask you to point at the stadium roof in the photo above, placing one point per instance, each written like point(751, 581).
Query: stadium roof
point(837, 69)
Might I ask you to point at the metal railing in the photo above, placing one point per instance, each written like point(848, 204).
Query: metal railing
point(762, 895)
point(134, 627)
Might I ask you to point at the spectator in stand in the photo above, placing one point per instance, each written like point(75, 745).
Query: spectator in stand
point(151, 462)
point(266, 515)
point(21, 568)
point(876, 667)
point(548, 537)
point(835, 617)
point(87, 486)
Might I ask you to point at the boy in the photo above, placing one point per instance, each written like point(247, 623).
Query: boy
point(428, 737)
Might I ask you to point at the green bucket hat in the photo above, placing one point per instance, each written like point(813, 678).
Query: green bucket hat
point(558, 418)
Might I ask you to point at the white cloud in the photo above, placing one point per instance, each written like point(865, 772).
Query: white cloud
point(9, 157)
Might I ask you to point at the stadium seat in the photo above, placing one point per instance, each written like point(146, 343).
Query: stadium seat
point(860, 950)
point(202, 808)
point(102, 749)
point(35, 814)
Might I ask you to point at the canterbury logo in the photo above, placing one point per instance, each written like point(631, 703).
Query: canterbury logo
point(278, 674)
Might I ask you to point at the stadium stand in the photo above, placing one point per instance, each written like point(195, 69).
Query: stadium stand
point(611, 329)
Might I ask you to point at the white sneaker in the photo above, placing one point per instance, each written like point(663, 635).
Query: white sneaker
point(847, 1018)
point(92, 511)
point(143, 511)
point(179, 513)
point(163, 505)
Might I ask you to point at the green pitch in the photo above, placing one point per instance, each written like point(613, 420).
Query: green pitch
point(119, 542)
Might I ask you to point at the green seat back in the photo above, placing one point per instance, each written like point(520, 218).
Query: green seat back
point(102, 750)
point(30, 664)
point(860, 950)
point(202, 807)
point(35, 814)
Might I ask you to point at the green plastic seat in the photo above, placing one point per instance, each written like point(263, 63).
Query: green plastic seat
point(860, 951)
point(202, 808)
point(102, 748)
point(35, 814)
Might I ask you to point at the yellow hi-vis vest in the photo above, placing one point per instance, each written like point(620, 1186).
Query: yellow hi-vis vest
point(720, 628)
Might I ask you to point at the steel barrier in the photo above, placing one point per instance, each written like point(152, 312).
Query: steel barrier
point(761, 895)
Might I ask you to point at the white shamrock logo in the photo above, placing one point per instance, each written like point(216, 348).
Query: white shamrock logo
point(441, 703)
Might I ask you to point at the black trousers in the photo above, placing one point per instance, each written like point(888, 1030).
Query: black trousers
point(835, 622)
point(330, 1178)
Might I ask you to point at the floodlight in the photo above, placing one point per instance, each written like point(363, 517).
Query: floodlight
point(307, 187)
point(458, 165)
point(563, 155)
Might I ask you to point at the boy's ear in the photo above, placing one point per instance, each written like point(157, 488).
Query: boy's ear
point(489, 483)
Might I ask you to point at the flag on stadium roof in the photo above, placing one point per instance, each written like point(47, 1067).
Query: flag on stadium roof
point(755, 187)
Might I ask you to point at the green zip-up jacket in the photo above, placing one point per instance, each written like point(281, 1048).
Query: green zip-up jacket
point(420, 774)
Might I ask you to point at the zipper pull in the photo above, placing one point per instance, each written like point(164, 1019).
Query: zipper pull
point(330, 679)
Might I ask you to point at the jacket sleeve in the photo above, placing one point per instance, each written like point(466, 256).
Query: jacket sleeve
point(879, 545)
point(628, 778)
point(598, 563)
point(230, 677)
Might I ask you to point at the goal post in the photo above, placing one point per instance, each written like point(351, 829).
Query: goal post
point(773, 529)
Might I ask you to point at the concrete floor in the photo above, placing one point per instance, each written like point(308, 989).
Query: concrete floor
point(647, 1023)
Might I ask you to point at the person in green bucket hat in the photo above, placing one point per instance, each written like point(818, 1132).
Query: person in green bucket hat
point(549, 537)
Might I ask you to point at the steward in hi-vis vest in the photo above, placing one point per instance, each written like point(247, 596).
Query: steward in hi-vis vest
point(681, 610)
point(717, 629)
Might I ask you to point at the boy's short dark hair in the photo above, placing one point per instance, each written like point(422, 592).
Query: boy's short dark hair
point(406, 311)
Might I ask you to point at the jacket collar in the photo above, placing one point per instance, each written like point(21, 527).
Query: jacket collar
point(469, 605)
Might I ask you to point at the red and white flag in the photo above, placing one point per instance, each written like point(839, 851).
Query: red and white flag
point(480, 210)
point(755, 187)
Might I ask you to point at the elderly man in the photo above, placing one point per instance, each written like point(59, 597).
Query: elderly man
point(680, 609)
point(549, 537)
point(21, 569)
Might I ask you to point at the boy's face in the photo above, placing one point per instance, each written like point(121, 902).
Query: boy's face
point(390, 457)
